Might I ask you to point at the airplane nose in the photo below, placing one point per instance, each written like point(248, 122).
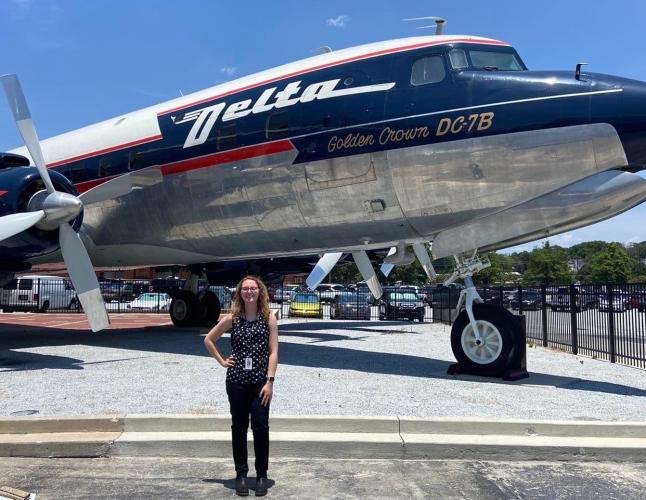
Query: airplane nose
point(632, 123)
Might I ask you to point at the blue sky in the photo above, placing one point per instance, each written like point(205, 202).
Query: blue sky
point(81, 62)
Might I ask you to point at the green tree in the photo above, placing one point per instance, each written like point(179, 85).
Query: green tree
point(547, 265)
point(346, 272)
point(612, 265)
point(496, 273)
point(519, 261)
point(587, 249)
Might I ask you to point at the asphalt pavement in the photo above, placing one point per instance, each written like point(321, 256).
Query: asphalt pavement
point(339, 479)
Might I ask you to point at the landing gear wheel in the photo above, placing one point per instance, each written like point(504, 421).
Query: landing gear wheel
point(185, 309)
point(495, 351)
point(210, 309)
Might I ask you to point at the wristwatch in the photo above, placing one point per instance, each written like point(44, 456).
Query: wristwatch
point(271, 379)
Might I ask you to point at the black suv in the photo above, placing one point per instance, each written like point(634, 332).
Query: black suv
point(401, 305)
point(121, 292)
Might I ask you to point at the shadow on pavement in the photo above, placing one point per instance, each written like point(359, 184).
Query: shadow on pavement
point(168, 339)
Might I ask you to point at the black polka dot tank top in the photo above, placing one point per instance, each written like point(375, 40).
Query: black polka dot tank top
point(250, 346)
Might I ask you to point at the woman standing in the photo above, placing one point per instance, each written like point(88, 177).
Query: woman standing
point(251, 369)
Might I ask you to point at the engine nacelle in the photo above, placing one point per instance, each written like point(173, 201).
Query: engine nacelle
point(17, 185)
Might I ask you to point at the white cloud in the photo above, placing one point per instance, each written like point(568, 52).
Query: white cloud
point(229, 70)
point(338, 21)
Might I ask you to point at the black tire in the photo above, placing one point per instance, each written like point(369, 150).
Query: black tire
point(210, 305)
point(185, 309)
point(44, 307)
point(503, 331)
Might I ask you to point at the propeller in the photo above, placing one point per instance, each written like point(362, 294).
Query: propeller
point(368, 273)
point(329, 260)
point(424, 259)
point(322, 269)
point(53, 209)
point(387, 267)
point(399, 256)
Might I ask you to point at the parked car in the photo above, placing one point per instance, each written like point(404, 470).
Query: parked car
point(305, 304)
point(150, 302)
point(528, 300)
point(349, 305)
point(38, 293)
point(166, 285)
point(398, 305)
point(583, 300)
point(638, 301)
point(445, 296)
point(114, 290)
point(620, 302)
point(285, 293)
point(328, 291)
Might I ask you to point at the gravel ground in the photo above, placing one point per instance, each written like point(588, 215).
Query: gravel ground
point(326, 368)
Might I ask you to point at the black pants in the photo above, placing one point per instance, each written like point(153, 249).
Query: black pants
point(245, 400)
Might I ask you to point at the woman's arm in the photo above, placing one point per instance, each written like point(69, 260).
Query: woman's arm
point(213, 336)
point(267, 391)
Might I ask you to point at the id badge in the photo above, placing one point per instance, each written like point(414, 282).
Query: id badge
point(248, 364)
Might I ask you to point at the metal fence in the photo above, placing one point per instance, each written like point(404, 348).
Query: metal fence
point(600, 321)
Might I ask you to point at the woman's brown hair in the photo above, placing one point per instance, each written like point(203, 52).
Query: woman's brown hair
point(237, 307)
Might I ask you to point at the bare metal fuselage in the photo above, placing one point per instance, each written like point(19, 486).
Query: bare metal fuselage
point(493, 172)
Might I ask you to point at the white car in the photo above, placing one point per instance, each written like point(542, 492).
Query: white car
point(37, 293)
point(150, 302)
point(328, 291)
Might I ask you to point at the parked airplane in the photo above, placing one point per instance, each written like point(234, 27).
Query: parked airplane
point(448, 140)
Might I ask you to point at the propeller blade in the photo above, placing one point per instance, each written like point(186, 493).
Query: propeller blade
point(83, 278)
point(386, 267)
point(368, 273)
point(25, 125)
point(17, 223)
point(424, 259)
point(322, 269)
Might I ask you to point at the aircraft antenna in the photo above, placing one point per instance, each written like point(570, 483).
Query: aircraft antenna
point(324, 49)
point(439, 23)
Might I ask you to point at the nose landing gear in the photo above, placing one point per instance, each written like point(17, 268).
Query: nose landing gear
point(486, 339)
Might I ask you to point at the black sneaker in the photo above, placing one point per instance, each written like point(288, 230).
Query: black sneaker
point(242, 490)
point(261, 486)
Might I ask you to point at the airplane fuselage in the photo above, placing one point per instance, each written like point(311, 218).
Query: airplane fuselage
point(361, 148)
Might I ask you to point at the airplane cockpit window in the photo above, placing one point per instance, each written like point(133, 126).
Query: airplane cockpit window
point(495, 61)
point(277, 125)
point(427, 70)
point(458, 59)
point(226, 137)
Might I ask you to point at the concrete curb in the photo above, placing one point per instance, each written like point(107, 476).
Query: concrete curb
point(325, 437)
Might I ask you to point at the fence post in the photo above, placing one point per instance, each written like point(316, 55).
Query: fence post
point(573, 308)
point(520, 299)
point(611, 323)
point(544, 313)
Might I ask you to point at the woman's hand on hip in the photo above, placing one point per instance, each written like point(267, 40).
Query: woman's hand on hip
point(265, 393)
point(229, 362)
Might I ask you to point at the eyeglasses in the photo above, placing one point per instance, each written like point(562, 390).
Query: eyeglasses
point(250, 289)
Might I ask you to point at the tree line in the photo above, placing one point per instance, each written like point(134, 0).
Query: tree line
point(597, 262)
